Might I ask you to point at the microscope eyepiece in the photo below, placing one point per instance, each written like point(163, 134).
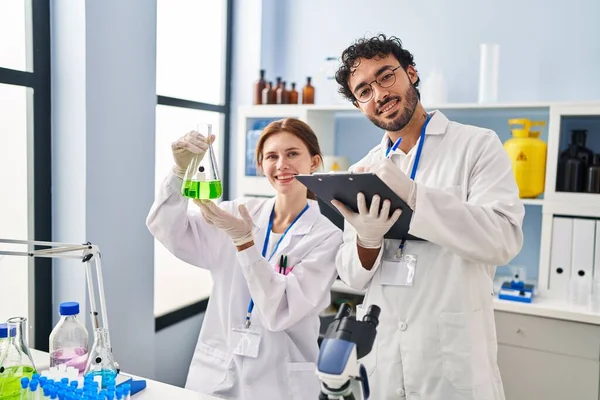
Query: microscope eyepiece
point(372, 315)
point(344, 311)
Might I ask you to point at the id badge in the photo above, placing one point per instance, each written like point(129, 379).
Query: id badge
point(397, 268)
point(246, 341)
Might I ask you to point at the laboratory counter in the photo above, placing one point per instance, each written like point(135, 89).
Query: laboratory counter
point(154, 390)
point(540, 307)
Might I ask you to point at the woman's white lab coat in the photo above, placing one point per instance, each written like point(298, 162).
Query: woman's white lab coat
point(286, 307)
point(436, 340)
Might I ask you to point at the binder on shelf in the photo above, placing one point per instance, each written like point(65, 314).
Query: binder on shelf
point(560, 257)
point(582, 260)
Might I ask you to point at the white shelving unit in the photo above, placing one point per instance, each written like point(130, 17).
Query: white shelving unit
point(322, 120)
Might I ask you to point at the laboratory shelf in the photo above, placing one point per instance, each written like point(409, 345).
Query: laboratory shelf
point(343, 131)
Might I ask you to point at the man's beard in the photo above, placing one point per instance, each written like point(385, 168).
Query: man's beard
point(406, 114)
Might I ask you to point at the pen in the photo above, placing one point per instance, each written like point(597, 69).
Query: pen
point(249, 313)
point(284, 264)
point(281, 271)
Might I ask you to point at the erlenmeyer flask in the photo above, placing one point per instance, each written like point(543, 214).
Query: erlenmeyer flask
point(101, 361)
point(16, 361)
point(201, 180)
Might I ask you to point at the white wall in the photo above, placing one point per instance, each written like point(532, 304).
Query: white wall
point(537, 42)
point(104, 98)
point(249, 26)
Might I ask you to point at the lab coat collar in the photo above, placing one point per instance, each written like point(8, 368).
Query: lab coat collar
point(301, 227)
point(437, 126)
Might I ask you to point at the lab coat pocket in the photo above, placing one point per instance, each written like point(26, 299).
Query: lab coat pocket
point(463, 347)
point(208, 369)
point(303, 380)
point(370, 360)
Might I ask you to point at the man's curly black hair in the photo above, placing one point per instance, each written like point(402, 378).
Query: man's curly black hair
point(377, 46)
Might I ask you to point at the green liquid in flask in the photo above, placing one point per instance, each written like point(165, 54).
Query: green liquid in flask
point(206, 190)
point(10, 381)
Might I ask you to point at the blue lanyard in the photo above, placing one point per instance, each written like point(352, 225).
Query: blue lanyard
point(413, 173)
point(265, 247)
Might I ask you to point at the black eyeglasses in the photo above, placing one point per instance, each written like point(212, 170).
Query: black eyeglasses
point(386, 78)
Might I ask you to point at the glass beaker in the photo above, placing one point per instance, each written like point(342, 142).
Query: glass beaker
point(201, 180)
point(16, 361)
point(101, 361)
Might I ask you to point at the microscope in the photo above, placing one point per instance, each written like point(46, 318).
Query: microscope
point(347, 340)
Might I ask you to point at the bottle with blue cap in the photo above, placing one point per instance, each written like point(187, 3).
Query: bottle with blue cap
point(69, 339)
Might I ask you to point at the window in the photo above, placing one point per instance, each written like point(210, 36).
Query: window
point(193, 64)
point(25, 208)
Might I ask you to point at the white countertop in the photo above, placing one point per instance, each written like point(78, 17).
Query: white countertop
point(154, 390)
point(550, 308)
point(541, 307)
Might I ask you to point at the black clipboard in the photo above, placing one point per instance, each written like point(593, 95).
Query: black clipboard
point(346, 186)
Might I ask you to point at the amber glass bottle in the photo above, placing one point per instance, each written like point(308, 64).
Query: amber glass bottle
point(267, 94)
point(308, 93)
point(293, 94)
point(283, 96)
point(258, 88)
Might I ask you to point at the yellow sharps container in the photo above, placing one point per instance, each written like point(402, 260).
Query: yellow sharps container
point(528, 156)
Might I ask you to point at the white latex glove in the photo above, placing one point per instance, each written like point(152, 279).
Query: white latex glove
point(187, 147)
point(370, 225)
point(397, 180)
point(239, 229)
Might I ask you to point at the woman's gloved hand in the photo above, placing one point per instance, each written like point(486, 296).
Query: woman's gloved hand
point(239, 229)
point(370, 224)
point(187, 147)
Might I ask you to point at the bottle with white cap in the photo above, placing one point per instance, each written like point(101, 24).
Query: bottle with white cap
point(69, 339)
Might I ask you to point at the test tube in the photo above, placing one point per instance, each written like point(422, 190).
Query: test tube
point(33, 390)
point(24, 388)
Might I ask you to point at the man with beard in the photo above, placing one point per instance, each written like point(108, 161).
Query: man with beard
point(436, 338)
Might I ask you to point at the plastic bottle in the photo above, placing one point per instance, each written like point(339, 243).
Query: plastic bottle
point(308, 93)
point(69, 339)
point(528, 157)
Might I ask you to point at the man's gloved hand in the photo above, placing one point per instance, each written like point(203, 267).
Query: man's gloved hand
point(397, 180)
point(239, 229)
point(187, 147)
point(370, 225)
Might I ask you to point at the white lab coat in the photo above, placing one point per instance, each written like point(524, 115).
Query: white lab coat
point(437, 339)
point(286, 308)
